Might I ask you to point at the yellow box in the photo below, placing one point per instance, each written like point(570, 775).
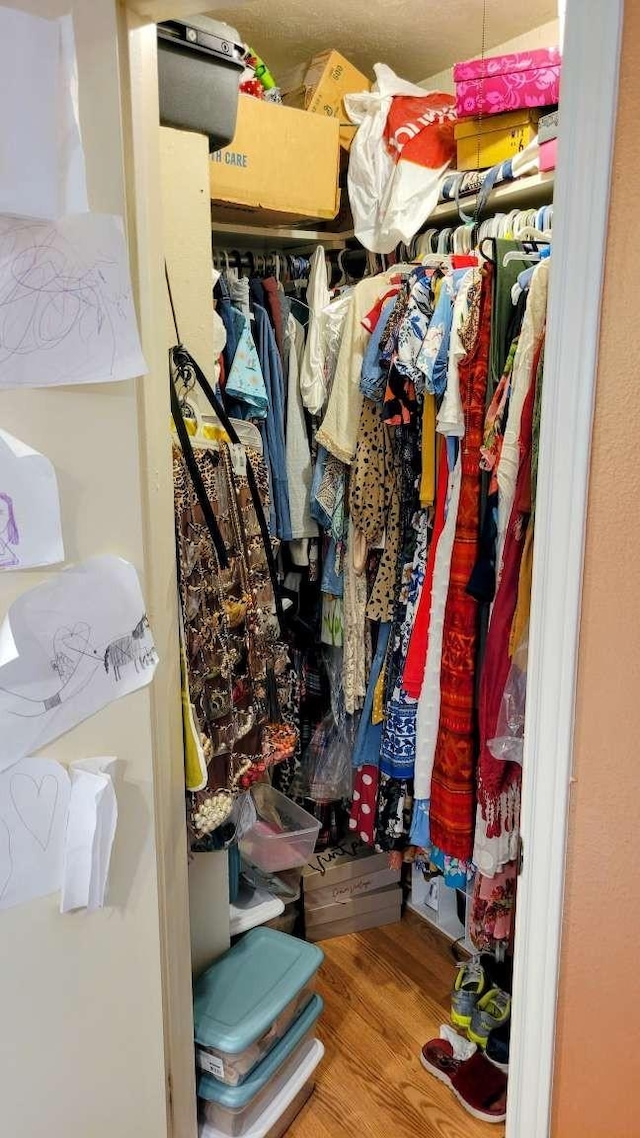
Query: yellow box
point(320, 87)
point(493, 139)
point(282, 165)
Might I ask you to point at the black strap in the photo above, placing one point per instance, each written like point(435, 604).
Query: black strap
point(183, 361)
point(196, 477)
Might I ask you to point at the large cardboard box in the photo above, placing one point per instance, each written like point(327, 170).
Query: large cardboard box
point(320, 87)
point(344, 872)
point(281, 168)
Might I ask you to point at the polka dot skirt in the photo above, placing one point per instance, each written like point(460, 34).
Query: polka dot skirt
point(363, 809)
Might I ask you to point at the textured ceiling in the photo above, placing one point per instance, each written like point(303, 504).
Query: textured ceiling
point(417, 38)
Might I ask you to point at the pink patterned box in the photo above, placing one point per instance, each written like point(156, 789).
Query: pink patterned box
point(507, 82)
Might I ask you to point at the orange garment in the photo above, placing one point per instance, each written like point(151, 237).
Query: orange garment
point(428, 478)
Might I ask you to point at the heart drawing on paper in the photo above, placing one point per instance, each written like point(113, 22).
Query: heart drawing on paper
point(6, 861)
point(69, 646)
point(35, 802)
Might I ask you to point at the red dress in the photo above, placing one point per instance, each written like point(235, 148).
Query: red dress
point(453, 797)
point(416, 660)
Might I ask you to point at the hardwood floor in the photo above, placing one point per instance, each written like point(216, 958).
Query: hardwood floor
point(386, 993)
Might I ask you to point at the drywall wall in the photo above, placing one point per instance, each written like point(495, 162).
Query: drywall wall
point(186, 231)
point(598, 1027)
point(545, 35)
point(81, 1035)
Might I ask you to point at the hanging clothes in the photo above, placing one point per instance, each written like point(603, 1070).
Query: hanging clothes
point(273, 428)
point(274, 309)
point(498, 782)
point(391, 435)
point(338, 431)
point(298, 451)
point(313, 383)
point(245, 390)
point(452, 783)
point(521, 379)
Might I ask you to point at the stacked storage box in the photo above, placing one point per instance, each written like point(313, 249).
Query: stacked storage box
point(255, 1013)
point(498, 103)
point(347, 889)
point(548, 139)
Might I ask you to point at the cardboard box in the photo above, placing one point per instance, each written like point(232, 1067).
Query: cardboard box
point(494, 139)
point(387, 911)
point(324, 913)
point(320, 87)
point(282, 165)
point(548, 127)
point(351, 858)
point(365, 881)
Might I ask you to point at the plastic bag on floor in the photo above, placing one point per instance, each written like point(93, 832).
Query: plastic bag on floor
point(403, 145)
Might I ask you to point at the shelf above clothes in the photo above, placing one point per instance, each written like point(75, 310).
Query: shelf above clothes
point(532, 191)
point(266, 238)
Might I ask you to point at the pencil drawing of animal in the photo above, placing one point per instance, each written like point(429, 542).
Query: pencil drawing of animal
point(141, 627)
point(130, 650)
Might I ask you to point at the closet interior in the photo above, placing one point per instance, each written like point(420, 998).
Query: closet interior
point(357, 334)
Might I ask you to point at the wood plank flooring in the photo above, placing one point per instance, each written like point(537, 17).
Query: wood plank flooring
point(386, 993)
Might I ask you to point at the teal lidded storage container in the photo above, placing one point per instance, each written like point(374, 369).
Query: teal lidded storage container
point(233, 1111)
point(246, 1002)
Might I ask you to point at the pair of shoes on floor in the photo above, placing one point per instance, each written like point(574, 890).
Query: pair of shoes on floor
point(479, 1086)
point(476, 1007)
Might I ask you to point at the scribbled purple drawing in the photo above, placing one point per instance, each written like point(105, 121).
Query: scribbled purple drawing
point(9, 534)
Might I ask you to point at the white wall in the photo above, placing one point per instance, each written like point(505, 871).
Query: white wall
point(546, 35)
point(81, 1031)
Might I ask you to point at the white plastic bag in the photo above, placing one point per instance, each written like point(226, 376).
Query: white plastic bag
point(392, 196)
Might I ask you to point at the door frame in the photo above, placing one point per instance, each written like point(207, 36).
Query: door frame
point(590, 71)
point(589, 106)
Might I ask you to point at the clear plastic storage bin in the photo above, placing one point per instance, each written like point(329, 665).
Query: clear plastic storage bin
point(234, 1111)
point(248, 1000)
point(283, 836)
point(274, 1110)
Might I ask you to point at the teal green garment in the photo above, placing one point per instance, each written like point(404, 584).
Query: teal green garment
point(505, 276)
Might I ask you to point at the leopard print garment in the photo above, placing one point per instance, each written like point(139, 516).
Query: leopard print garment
point(231, 633)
